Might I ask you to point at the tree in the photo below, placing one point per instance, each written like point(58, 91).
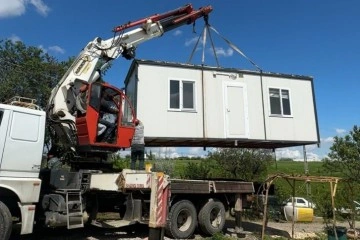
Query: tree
point(28, 71)
point(344, 161)
point(344, 156)
point(247, 164)
point(198, 170)
point(150, 156)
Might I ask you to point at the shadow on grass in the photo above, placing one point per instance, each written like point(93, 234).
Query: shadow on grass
point(87, 233)
point(255, 229)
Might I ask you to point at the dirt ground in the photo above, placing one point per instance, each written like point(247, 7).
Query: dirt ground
point(252, 230)
point(284, 229)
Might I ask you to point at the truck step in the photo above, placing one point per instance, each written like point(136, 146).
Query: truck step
point(75, 214)
point(80, 225)
point(74, 217)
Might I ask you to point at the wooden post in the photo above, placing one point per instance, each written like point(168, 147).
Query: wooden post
point(293, 211)
point(268, 184)
point(238, 209)
point(333, 192)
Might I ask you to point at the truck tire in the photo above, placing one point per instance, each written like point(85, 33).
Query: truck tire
point(5, 222)
point(182, 220)
point(212, 217)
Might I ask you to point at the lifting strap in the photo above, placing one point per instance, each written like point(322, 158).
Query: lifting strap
point(206, 30)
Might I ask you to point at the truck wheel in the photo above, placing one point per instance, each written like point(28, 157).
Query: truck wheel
point(5, 222)
point(212, 217)
point(182, 220)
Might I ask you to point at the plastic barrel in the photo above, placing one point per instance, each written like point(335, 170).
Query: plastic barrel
point(340, 231)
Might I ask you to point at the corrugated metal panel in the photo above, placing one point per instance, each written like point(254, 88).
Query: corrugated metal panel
point(209, 186)
point(190, 186)
point(233, 187)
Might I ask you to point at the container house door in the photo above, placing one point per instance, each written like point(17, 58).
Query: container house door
point(236, 110)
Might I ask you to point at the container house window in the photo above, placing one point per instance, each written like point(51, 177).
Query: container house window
point(279, 102)
point(182, 95)
point(1, 115)
point(174, 94)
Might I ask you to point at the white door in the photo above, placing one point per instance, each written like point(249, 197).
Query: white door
point(236, 111)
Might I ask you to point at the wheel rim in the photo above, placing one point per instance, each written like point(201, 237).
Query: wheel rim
point(184, 220)
point(215, 217)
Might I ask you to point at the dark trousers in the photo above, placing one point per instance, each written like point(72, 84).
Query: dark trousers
point(137, 152)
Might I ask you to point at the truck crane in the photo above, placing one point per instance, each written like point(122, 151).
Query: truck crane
point(79, 100)
point(73, 116)
point(80, 107)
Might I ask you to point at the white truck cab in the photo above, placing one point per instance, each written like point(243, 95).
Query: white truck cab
point(22, 133)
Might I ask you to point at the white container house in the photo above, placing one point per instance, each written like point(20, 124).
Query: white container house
point(192, 105)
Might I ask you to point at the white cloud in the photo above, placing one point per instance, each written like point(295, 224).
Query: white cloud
point(311, 147)
point(11, 8)
point(312, 157)
point(177, 33)
point(192, 41)
point(123, 153)
point(164, 152)
point(42, 48)
point(340, 131)
point(14, 38)
point(195, 150)
point(57, 49)
point(327, 140)
point(287, 153)
point(15, 8)
point(222, 52)
point(40, 6)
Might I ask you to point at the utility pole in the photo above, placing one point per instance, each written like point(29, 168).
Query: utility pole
point(306, 168)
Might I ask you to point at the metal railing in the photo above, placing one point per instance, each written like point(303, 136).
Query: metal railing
point(23, 102)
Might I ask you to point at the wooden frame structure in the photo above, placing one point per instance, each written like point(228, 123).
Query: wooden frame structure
point(322, 179)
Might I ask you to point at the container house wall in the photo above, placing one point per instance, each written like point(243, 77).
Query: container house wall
point(301, 124)
point(153, 103)
point(225, 93)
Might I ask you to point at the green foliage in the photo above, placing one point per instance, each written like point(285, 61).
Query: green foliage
point(150, 156)
point(344, 156)
point(197, 170)
point(118, 162)
point(247, 164)
point(344, 161)
point(164, 165)
point(28, 71)
point(220, 236)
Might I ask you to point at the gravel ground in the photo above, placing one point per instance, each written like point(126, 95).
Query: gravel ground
point(252, 230)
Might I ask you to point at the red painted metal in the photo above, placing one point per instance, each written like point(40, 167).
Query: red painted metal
point(185, 13)
point(87, 125)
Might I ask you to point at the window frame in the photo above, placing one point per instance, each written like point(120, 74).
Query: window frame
point(281, 103)
point(1, 115)
point(181, 95)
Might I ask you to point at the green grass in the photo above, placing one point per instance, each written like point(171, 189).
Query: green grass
point(292, 167)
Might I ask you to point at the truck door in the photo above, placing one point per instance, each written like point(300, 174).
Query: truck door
point(3, 128)
point(23, 144)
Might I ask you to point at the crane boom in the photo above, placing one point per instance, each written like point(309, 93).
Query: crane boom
point(64, 103)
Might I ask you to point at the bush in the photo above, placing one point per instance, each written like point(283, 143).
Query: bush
point(164, 165)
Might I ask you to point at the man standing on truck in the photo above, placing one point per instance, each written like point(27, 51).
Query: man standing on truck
point(138, 146)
